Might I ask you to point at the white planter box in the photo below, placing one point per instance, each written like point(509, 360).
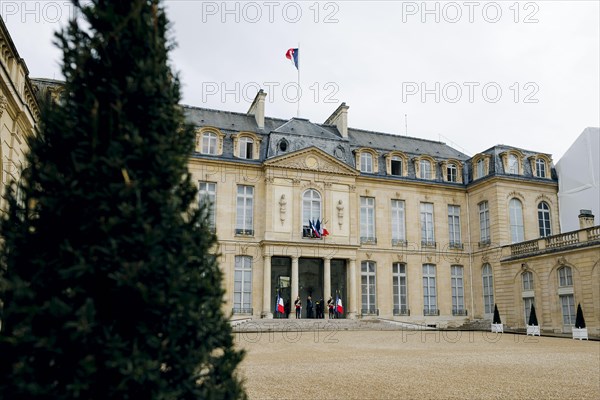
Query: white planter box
point(580, 333)
point(497, 328)
point(533, 330)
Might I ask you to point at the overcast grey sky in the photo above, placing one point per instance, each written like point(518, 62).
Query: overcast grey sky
point(470, 73)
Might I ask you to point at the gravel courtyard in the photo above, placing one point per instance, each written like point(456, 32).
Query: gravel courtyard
point(417, 365)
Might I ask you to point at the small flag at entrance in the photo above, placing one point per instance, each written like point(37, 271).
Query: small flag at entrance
point(292, 55)
point(280, 308)
point(338, 306)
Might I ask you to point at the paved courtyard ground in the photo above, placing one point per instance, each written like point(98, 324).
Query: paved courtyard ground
point(417, 365)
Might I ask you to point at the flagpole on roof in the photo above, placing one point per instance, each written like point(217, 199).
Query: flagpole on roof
point(298, 68)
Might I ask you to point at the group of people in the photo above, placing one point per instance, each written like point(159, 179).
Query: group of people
point(319, 308)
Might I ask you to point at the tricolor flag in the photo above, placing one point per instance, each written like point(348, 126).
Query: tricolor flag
point(280, 308)
point(292, 55)
point(338, 306)
point(324, 231)
point(314, 229)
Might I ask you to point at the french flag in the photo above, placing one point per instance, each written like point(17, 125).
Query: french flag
point(280, 308)
point(292, 55)
point(339, 307)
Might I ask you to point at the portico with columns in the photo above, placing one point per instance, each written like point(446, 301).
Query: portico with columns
point(304, 271)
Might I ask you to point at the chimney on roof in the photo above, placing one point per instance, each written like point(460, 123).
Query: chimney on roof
point(586, 219)
point(339, 118)
point(257, 108)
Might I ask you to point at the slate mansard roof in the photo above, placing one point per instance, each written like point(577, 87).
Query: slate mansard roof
point(300, 133)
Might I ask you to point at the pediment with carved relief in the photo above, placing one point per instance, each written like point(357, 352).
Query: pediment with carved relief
point(311, 159)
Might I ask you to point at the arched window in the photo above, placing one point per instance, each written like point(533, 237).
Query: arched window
point(366, 162)
point(540, 168)
point(311, 212)
point(425, 169)
point(515, 209)
point(209, 143)
point(544, 219)
point(488, 289)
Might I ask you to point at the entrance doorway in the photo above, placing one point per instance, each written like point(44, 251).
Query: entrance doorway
point(310, 283)
point(281, 273)
point(338, 284)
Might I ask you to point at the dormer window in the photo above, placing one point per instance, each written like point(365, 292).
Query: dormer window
point(540, 168)
point(481, 168)
point(451, 172)
point(366, 162)
point(396, 166)
point(424, 169)
point(209, 143)
point(513, 164)
point(283, 145)
point(396, 163)
point(246, 147)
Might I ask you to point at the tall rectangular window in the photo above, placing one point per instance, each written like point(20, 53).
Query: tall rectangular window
point(244, 224)
point(242, 285)
point(488, 289)
point(568, 309)
point(454, 226)
point(527, 303)
point(517, 229)
point(427, 233)
point(399, 288)
point(429, 290)
point(544, 219)
point(484, 222)
point(367, 219)
point(367, 284)
point(208, 197)
point(398, 222)
point(458, 291)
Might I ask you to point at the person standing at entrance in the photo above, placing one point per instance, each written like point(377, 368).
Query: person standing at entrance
point(298, 306)
point(309, 307)
point(330, 307)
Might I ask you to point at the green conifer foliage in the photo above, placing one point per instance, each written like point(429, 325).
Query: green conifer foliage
point(108, 287)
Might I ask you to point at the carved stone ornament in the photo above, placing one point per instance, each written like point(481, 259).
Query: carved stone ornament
point(282, 208)
point(562, 260)
point(3, 103)
point(340, 210)
point(485, 258)
point(400, 257)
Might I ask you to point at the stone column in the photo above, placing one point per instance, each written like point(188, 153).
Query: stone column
point(294, 286)
point(327, 284)
point(352, 304)
point(266, 311)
